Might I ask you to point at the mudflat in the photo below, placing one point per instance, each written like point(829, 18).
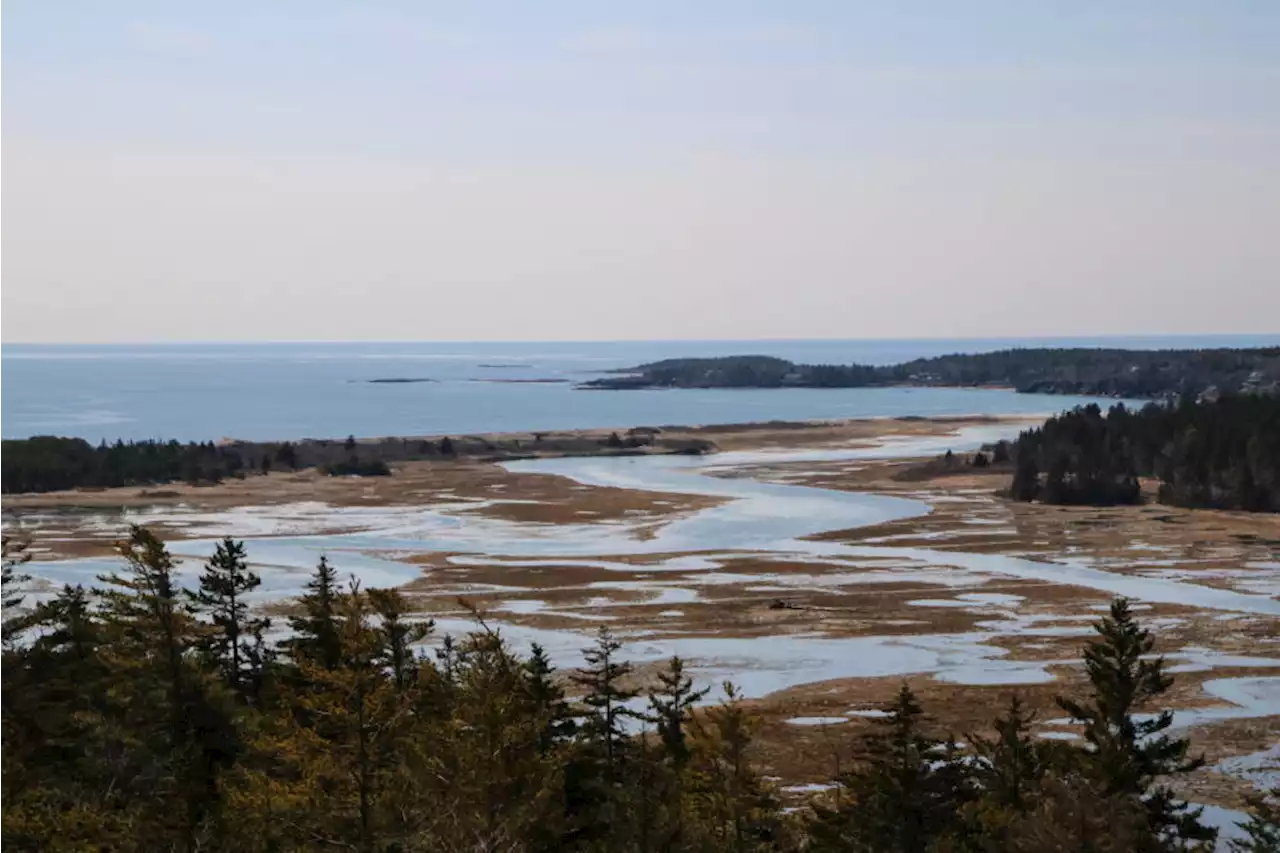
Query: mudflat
point(966, 594)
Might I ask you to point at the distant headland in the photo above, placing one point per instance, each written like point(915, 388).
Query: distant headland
point(1097, 372)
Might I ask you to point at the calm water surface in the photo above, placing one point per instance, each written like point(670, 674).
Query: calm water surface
point(278, 391)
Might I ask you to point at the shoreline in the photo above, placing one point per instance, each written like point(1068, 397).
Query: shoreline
point(401, 452)
point(976, 596)
point(82, 523)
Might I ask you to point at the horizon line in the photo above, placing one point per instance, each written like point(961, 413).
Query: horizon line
point(420, 341)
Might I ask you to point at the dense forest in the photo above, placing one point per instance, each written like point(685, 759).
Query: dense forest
point(1103, 372)
point(141, 716)
point(1222, 453)
point(49, 463)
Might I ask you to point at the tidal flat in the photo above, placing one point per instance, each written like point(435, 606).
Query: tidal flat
point(815, 565)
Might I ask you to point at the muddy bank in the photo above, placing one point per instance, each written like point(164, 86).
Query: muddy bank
point(794, 561)
point(472, 469)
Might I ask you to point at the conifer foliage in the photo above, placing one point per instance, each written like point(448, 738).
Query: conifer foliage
point(903, 796)
point(139, 716)
point(236, 644)
point(1131, 755)
point(1221, 453)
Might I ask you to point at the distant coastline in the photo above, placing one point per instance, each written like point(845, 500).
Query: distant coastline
point(1118, 373)
point(274, 392)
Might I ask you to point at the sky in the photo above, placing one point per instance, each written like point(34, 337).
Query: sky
point(661, 170)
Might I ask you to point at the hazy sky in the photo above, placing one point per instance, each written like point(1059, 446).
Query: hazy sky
point(593, 170)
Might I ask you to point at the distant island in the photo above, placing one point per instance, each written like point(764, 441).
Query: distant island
point(1099, 372)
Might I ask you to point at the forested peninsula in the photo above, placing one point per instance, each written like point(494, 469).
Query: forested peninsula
point(1101, 372)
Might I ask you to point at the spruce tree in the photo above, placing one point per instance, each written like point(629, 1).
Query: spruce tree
point(1130, 754)
point(232, 646)
point(12, 621)
point(17, 738)
point(670, 710)
point(316, 630)
point(596, 801)
point(547, 696)
point(287, 456)
point(606, 701)
point(1262, 829)
point(398, 635)
point(670, 706)
point(1026, 476)
point(1006, 772)
point(734, 810)
point(1011, 765)
point(333, 767)
point(176, 709)
point(898, 800)
point(1072, 815)
point(507, 786)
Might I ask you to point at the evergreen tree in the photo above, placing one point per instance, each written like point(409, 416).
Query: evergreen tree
point(316, 630)
point(398, 635)
point(595, 799)
point(508, 787)
point(175, 708)
point(735, 811)
point(12, 622)
point(899, 800)
point(16, 735)
point(671, 707)
point(1262, 830)
point(1026, 478)
point(234, 644)
point(287, 456)
point(1011, 765)
point(1072, 815)
point(1223, 453)
point(548, 699)
point(340, 777)
point(1007, 771)
point(1000, 453)
point(69, 627)
point(1129, 755)
point(606, 701)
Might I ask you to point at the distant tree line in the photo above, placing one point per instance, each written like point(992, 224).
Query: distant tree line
point(48, 463)
point(356, 467)
point(1102, 372)
point(51, 463)
point(1222, 453)
point(141, 716)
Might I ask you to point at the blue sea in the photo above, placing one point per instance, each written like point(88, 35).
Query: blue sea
point(295, 390)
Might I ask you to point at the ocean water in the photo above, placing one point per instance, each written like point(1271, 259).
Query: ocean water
point(295, 390)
